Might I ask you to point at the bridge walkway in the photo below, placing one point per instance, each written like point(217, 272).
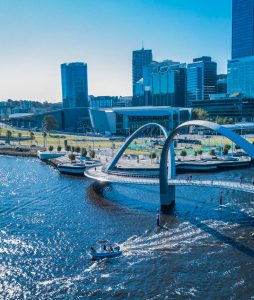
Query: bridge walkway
point(99, 174)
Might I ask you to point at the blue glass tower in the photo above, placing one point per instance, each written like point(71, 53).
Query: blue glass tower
point(74, 85)
point(201, 79)
point(243, 28)
point(140, 58)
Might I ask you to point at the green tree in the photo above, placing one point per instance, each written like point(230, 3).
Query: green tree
point(219, 120)
point(8, 134)
point(199, 114)
point(200, 152)
point(225, 151)
point(31, 136)
point(152, 155)
point(84, 152)
point(227, 146)
point(183, 153)
point(19, 136)
point(92, 154)
point(51, 148)
point(77, 149)
point(237, 147)
point(212, 152)
point(72, 157)
point(59, 148)
point(68, 147)
point(44, 134)
point(49, 123)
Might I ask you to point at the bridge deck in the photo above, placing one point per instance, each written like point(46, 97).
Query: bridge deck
point(116, 177)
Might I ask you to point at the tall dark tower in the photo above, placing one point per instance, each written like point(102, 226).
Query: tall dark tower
point(243, 28)
point(74, 85)
point(140, 58)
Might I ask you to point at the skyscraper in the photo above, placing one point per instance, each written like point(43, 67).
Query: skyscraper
point(241, 67)
point(140, 58)
point(163, 84)
point(243, 28)
point(201, 79)
point(74, 85)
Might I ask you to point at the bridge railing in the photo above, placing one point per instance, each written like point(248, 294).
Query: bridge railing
point(244, 180)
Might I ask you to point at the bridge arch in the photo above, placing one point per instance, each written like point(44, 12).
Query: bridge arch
point(130, 139)
point(167, 193)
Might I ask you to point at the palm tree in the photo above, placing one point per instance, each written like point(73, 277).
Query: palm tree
point(44, 134)
point(19, 135)
point(8, 135)
point(31, 136)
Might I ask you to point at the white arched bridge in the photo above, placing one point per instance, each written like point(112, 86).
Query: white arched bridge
point(167, 179)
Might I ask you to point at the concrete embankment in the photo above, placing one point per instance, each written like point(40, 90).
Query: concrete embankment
point(23, 152)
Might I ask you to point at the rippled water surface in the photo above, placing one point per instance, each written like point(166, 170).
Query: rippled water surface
point(48, 222)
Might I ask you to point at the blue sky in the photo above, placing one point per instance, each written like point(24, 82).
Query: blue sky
point(36, 36)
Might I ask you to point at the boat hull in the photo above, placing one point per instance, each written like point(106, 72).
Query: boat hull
point(72, 170)
point(43, 155)
point(96, 256)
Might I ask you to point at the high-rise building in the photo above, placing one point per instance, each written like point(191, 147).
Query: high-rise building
point(74, 85)
point(243, 28)
point(169, 85)
point(241, 67)
point(140, 58)
point(241, 76)
point(221, 84)
point(163, 84)
point(201, 79)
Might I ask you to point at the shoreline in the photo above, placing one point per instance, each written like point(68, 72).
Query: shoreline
point(21, 153)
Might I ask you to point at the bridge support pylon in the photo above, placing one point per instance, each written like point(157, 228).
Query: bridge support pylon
point(167, 200)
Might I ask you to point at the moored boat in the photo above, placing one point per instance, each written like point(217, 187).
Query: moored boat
point(72, 168)
point(43, 155)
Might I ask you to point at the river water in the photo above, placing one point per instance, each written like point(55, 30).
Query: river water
point(49, 221)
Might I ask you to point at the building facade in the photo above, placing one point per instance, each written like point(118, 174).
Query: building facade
point(201, 79)
point(163, 84)
point(241, 76)
point(140, 58)
point(222, 84)
point(241, 66)
point(238, 108)
point(74, 85)
point(68, 119)
point(123, 121)
point(242, 28)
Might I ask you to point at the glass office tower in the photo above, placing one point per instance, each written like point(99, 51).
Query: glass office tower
point(201, 79)
point(241, 76)
point(241, 67)
point(74, 85)
point(140, 58)
point(243, 28)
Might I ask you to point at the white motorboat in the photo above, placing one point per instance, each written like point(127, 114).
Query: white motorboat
point(49, 154)
point(77, 168)
point(105, 250)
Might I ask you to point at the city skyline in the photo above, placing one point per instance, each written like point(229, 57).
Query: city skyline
point(39, 37)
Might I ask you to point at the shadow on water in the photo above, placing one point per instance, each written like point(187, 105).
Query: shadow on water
point(95, 194)
point(166, 222)
point(222, 214)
